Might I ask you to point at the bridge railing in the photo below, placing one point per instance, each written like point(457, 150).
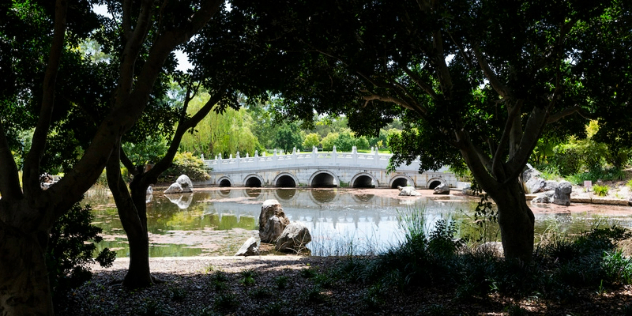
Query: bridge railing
point(309, 159)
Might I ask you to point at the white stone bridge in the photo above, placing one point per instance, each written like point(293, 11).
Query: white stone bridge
point(321, 169)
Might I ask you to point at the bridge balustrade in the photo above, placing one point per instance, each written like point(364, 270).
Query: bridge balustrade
point(373, 160)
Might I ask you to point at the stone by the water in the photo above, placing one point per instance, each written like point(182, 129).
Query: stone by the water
point(535, 185)
point(442, 189)
point(272, 221)
point(185, 183)
point(562, 194)
point(544, 197)
point(550, 185)
point(529, 173)
point(294, 238)
point(174, 188)
point(408, 191)
point(249, 248)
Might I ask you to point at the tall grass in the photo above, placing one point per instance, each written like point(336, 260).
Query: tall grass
point(560, 263)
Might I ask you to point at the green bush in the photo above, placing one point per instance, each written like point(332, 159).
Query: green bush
point(601, 190)
point(70, 250)
point(611, 174)
point(567, 158)
point(557, 268)
point(186, 163)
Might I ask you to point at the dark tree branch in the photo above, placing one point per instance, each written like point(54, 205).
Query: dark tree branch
point(563, 113)
point(9, 179)
point(464, 54)
point(133, 47)
point(30, 178)
point(127, 20)
point(529, 140)
point(490, 75)
point(127, 162)
point(417, 80)
point(185, 124)
point(504, 139)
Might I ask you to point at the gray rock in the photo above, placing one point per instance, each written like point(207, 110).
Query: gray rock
point(185, 183)
point(272, 221)
point(441, 189)
point(529, 173)
point(563, 193)
point(544, 197)
point(408, 191)
point(150, 190)
point(249, 248)
point(550, 185)
point(535, 185)
point(294, 238)
point(173, 189)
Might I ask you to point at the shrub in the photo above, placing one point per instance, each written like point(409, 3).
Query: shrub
point(281, 282)
point(601, 190)
point(186, 163)
point(70, 250)
point(226, 301)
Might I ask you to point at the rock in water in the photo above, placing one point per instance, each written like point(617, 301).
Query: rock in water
point(544, 197)
point(249, 248)
point(563, 193)
point(174, 188)
point(441, 189)
point(408, 191)
point(185, 183)
point(272, 221)
point(294, 238)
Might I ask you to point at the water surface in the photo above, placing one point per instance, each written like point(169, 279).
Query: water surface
point(342, 221)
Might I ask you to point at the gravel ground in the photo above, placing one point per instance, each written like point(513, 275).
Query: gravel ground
point(293, 285)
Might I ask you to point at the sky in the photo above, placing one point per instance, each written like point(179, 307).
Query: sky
point(183, 60)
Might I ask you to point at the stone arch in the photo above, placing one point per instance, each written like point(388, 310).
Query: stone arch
point(435, 182)
point(400, 179)
point(282, 181)
point(324, 179)
point(359, 177)
point(253, 181)
point(225, 181)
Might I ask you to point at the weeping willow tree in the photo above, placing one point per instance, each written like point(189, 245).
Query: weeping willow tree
point(222, 133)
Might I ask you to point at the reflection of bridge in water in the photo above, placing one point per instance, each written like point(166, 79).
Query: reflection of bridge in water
point(322, 170)
point(335, 217)
point(315, 205)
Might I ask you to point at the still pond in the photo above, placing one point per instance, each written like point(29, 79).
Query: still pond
point(216, 221)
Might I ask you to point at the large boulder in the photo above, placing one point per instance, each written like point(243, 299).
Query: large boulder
point(294, 238)
point(173, 189)
point(544, 197)
point(185, 183)
point(408, 191)
point(249, 248)
point(529, 173)
point(535, 185)
point(563, 193)
point(441, 189)
point(550, 185)
point(272, 221)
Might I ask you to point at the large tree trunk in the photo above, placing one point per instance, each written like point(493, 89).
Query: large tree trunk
point(132, 213)
point(516, 221)
point(24, 284)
